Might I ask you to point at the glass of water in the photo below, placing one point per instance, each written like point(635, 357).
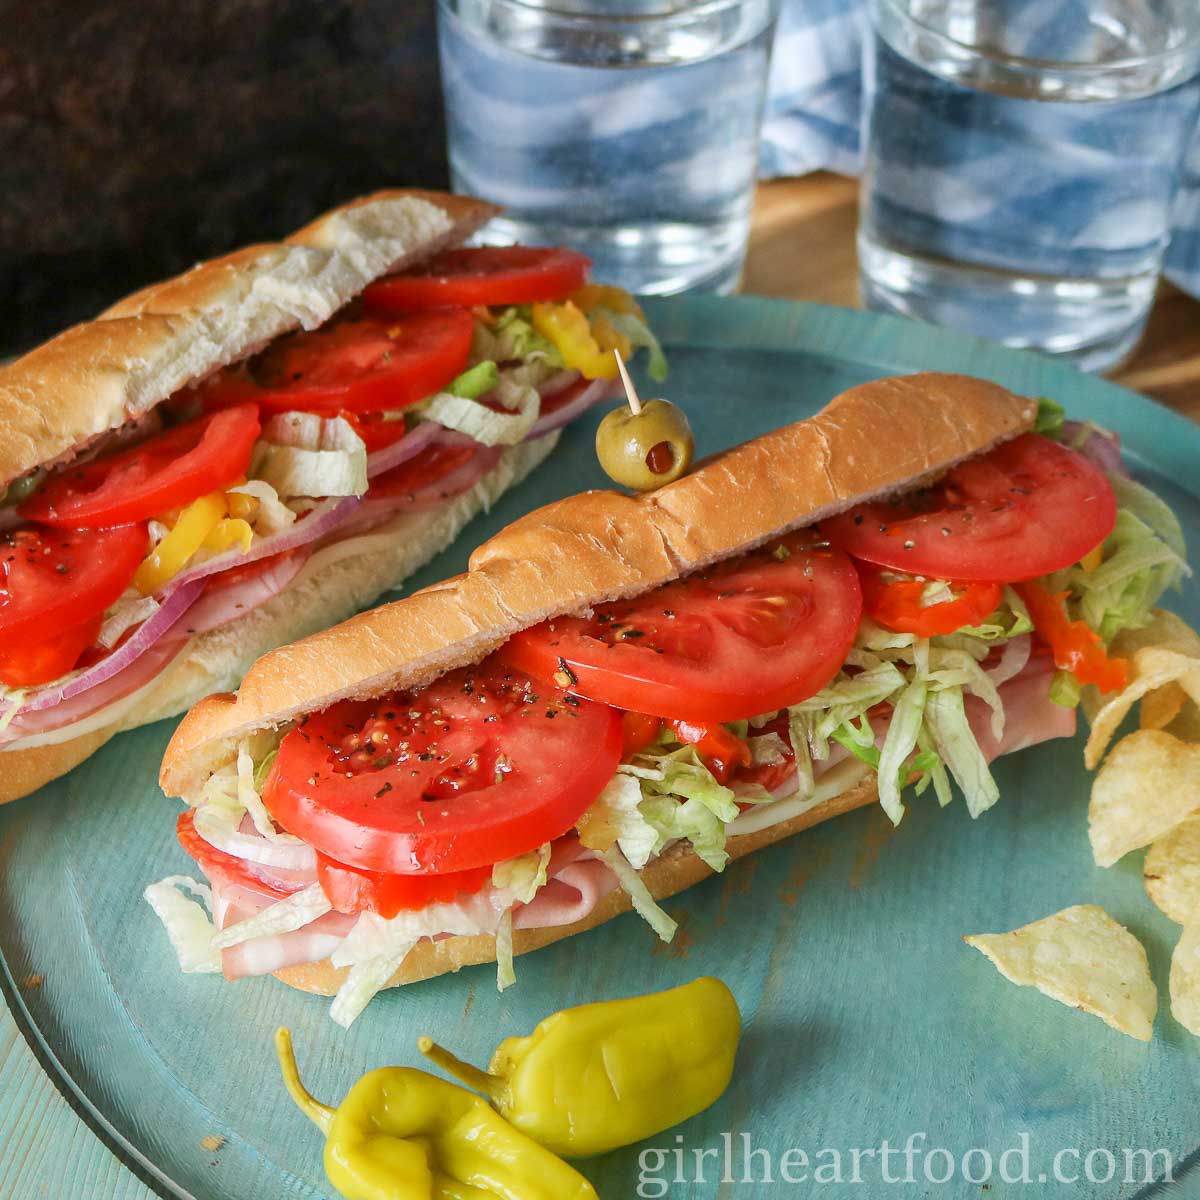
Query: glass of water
point(1022, 159)
point(627, 129)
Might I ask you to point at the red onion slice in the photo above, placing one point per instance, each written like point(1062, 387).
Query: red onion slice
point(590, 393)
point(452, 484)
point(143, 638)
point(221, 604)
point(140, 674)
point(1097, 445)
point(412, 443)
point(327, 516)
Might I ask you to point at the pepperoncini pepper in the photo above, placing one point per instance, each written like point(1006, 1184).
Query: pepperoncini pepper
point(204, 522)
point(402, 1134)
point(604, 1075)
point(584, 346)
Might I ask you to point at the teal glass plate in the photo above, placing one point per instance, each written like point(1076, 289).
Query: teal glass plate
point(866, 1018)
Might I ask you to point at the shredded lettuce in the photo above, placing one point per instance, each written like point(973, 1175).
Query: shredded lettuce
point(1151, 509)
point(1139, 562)
point(615, 816)
point(1065, 689)
point(506, 974)
point(248, 795)
point(637, 891)
point(956, 746)
point(682, 799)
point(301, 454)
point(15, 699)
point(634, 327)
point(521, 401)
point(293, 912)
point(926, 733)
point(1049, 420)
point(273, 515)
point(186, 921)
point(907, 719)
point(1010, 620)
point(767, 750)
point(376, 946)
point(475, 381)
point(363, 982)
point(523, 876)
point(513, 337)
point(128, 610)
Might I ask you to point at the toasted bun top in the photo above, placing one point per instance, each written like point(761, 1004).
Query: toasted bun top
point(873, 440)
point(96, 376)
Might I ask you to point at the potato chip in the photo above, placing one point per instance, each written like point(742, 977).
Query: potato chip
point(1185, 980)
point(1165, 653)
point(1186, 726)
point(1172, 873)
point(1161, 706)
point(1150, 669)
point(1167, 631)
point(1084, 959)
point(1149, 784)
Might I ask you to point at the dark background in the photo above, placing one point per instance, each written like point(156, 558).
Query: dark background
point(139, 136)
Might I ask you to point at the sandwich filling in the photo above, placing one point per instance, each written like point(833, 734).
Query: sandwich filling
point(236, 488)
point(917, 638)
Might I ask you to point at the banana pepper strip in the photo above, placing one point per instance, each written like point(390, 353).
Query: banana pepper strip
point(585, 346)
point(402, 1134)
point(203, 523)
point(593, 1078)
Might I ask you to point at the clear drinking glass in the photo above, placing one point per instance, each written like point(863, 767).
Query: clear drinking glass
point(1022, 158)
point(627, 129)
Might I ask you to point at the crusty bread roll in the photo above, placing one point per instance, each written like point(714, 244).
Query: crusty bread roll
point(91, 379)
point(876, 439)
point(58, 399)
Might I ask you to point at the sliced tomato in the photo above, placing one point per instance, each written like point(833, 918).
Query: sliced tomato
point(216, 864)
point(376, 431)
point(168, 470)
point(54, 586)
point(360, 364)
point(488, 275)
point(482, 765)
point(638, 730)
point(1024, 509)
point(1075, 645)
point(352, 890)
point(722, 752)
point(896, 603)
point(421, 471)
point(26, 662)
point(743, 637)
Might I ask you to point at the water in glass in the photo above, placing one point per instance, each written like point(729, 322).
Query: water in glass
point(631, 134)
point(1022, 160)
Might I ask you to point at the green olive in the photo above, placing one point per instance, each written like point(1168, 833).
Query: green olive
point(643, 450)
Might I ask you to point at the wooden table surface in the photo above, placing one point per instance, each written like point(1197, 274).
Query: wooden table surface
point(802, 247)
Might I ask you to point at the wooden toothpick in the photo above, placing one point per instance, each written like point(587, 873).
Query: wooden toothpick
point(630, 391)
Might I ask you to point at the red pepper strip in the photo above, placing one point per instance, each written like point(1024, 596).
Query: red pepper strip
point(721, 751)
point(639, 731)
point(1075, 646)
point(897, 604)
